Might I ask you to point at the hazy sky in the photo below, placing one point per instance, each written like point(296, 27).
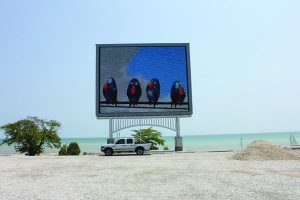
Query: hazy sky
point(245, 59)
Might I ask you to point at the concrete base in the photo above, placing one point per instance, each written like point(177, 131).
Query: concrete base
point(178, 144)
point(110, 140)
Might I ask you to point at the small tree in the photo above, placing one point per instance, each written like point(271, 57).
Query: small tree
point(149, 135)
point(32, 135)
point(73, 149)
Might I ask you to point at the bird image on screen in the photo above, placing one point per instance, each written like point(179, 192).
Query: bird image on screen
point(110, 91)
point(153, 91)
point(134, 92)
point(177, 94)
point(143, 80)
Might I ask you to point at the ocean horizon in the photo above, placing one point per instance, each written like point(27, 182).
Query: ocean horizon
point(215, 142)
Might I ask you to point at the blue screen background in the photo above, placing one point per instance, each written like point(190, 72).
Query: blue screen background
point(167, 64)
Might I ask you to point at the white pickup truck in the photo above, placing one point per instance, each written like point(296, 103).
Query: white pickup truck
point(125, 145)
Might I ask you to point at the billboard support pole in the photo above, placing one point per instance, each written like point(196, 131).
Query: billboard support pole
point(110, 140)
point(178, 138)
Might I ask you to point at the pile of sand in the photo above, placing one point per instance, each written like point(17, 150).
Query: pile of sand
point(264, 150)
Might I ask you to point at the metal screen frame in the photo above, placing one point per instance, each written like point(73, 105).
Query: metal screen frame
point(144, 114)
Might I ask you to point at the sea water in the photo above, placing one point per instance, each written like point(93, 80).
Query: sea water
point(222, 142)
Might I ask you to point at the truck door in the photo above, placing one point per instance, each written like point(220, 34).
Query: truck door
point(129, 144)
point(120, 145)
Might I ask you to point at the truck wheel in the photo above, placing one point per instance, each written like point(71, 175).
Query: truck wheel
point(108, 152)
point(140, 151)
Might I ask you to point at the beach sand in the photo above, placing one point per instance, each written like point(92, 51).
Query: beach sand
point(157, 176)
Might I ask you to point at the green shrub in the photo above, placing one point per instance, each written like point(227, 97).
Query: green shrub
point(63, 150)
point(166, 148)
point(149, 135)
point(73, 149)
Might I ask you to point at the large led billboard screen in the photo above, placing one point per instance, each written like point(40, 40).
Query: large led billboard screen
point(143, 80)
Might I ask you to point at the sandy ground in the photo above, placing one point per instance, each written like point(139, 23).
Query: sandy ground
point(156, 176)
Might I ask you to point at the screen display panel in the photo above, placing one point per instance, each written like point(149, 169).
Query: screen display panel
point(143, 80)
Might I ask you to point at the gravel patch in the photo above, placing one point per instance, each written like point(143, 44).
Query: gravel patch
point(159, 176)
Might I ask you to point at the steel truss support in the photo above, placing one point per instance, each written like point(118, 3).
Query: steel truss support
point(173, 124)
